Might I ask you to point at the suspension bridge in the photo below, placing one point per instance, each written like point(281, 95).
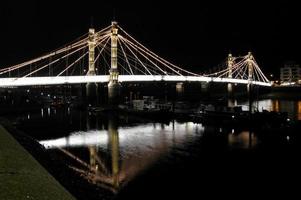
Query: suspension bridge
point(113, 56)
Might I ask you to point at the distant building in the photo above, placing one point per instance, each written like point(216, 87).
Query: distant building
point(290, 73)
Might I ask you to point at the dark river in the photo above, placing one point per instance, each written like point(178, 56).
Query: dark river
point(139, 158)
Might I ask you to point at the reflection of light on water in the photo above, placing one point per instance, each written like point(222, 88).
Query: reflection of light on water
point(92, 137)
point(131, 149)
point(139, 138)
point(48, 111)
point(242, 140)
point(42, 112)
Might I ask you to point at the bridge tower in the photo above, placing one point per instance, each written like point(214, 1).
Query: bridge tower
point(230, 62)
point(113, 86)
point(91, 88)
point(250, 79)
point(250, 68)
point(91, 45)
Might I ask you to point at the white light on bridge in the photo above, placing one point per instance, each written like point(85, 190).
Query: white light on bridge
point(60, 80)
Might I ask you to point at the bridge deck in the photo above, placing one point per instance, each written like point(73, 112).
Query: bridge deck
point(59, 80)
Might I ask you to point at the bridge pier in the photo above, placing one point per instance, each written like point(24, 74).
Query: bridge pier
point(113, 93)
point(205, 88)
point(179, 90)
point(114, 86)
point(92, 94)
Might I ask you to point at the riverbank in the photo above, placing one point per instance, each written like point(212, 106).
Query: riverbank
point(22, 177)
point(55, 163)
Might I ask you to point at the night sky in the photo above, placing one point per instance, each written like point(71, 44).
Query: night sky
point(192, 34)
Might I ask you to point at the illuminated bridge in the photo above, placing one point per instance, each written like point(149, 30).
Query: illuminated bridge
point(112, 55)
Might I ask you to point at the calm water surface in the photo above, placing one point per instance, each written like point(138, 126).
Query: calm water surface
point(113, 152)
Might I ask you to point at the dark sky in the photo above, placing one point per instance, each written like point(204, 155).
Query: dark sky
point(189, 33)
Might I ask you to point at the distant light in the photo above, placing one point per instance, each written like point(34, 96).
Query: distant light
point(28, 91)
point(42, 93)
point(54, 97)
point(287, 138)
point(232, 131)
point(27, 100)
point(48, 95)
point(233, 116)
point(288, 119)
point(220, 130)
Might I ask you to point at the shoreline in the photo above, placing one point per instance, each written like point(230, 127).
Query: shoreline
point(55, 164)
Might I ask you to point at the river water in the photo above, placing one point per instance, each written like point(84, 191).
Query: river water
point(138, 158)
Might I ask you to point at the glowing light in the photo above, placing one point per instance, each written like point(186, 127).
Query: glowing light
point(287, 138)
point(141, 136)
point(60, 80)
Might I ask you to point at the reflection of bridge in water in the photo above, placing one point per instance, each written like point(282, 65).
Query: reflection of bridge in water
point(117, 155)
